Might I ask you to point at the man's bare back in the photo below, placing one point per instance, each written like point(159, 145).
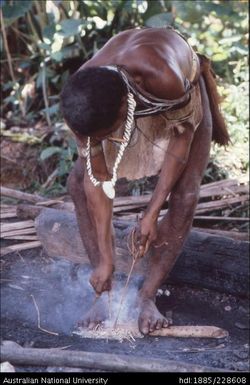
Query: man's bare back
point(159, 60)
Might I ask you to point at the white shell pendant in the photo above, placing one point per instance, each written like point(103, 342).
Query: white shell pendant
point(109, 190)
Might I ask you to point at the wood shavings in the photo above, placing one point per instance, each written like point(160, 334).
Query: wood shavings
point(120, 333)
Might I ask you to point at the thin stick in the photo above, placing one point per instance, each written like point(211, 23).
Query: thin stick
point(96, 299)
point(110, 302)
point(134, 254)
point(124, 291)
point(38, 319)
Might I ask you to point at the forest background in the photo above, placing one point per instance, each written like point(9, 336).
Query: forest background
point(43, 42)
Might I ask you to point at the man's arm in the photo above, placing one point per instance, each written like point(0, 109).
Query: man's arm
point(100, 209)
point(174, 163)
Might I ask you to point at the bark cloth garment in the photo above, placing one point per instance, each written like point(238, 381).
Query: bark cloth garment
point(149, 141)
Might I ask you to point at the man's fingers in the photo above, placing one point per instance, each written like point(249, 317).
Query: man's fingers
point(143, 240)
point(100, 286)
point(143, 245)
point(146, 247)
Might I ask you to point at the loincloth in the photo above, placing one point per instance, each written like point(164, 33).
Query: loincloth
point(146, 151)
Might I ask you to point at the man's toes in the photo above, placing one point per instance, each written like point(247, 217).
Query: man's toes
point(165, 323)
point(92, 326)
point(83, 323)
point(159, 324)
point(152, 325)
point(144, 326)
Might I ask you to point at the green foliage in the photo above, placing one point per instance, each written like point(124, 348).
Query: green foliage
point(49, 151)
point(12, 10)
point(61, 153)
point(48, 40)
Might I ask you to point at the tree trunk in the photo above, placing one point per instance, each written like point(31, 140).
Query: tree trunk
point(209, 261)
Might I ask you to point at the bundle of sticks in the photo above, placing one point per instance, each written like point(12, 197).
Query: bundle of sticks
point(222, 196)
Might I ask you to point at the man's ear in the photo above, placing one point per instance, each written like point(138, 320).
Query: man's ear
point(80, 140)
point(122, 114)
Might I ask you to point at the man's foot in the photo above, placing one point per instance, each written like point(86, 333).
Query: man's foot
point(150, 318)
point(97, 314)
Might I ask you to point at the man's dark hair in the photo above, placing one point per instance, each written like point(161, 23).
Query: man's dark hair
point(91, 99)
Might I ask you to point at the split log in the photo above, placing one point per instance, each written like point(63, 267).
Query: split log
point(25, 211)
point(213, 262)
point(191, 332)
point(15, 354)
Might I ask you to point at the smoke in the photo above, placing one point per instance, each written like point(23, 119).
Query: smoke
point(62, 293)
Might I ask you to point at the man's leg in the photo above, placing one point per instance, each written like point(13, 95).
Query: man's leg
point(86, 226)
point(175, 226)
point(98, 311)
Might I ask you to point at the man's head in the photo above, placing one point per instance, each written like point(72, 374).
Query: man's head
point(91, 100)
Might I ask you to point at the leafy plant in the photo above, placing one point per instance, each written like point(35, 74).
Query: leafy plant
point(42, 42)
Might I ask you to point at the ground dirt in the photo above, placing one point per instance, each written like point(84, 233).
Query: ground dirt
point(63, 295)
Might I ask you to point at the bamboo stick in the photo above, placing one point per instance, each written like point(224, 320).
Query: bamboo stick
point(17, 225)
point(49, 202)
point(240, 236)
point(220, 183)
point(220, 188)
point(121, 206)
point(220, 204)
point(30, 230)
point(19, 247)
point(218, 218)
point(8, 215)
point(22, 237)
point(6, 209)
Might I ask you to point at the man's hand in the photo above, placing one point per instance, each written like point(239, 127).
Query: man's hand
point(145, 234)
point(101, 278)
